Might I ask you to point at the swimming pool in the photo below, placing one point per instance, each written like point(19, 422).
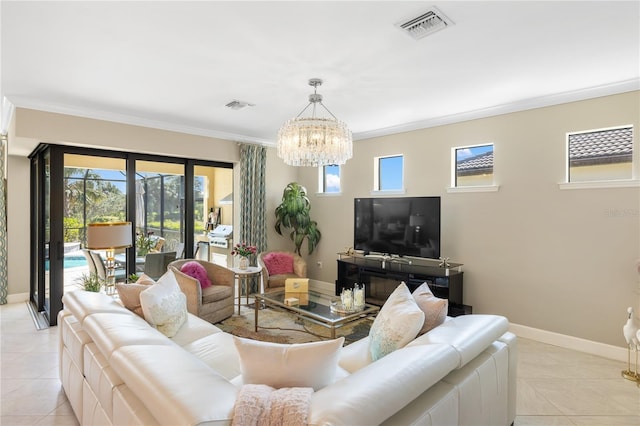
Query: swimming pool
point(72, 261)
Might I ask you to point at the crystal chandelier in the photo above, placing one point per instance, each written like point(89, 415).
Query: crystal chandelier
point(314, 141)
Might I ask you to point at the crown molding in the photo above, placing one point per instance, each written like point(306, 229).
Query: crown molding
point(20, 102)
point(523, 105)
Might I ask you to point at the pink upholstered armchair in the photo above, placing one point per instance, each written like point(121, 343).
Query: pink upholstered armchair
point(277, 266)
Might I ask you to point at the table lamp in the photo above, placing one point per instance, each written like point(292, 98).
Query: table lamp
point(109, 236)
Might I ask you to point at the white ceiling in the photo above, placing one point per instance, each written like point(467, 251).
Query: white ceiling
point(174, 65)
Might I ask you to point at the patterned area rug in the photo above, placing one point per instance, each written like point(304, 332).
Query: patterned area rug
point(279, 326)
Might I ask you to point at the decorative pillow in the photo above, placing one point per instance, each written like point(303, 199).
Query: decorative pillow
point(165, 305)
point(398, 322)
point(434, 308)
point(197, 271)
point(145, 280)
point(297, 365)
point(129, 294)
point(278, 263)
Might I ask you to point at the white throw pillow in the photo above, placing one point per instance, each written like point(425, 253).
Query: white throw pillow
point(398, 322)
point(164, 305)
point(296, 365)
point(434, 308)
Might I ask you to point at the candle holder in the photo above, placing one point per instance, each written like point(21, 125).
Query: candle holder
point(351, 300)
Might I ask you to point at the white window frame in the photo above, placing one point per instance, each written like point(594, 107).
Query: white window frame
point(597, 184)
point(321, 181)
point(376, 177)
point(478, 188)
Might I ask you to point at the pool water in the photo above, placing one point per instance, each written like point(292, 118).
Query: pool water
point(74, 261)
point(70, 262)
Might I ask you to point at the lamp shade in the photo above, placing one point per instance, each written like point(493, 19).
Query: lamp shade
point(108, 235)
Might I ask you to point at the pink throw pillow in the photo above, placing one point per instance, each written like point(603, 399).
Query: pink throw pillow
point(278, 263)
point(197, 271)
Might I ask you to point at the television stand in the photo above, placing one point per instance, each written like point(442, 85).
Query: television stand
point(381, 274)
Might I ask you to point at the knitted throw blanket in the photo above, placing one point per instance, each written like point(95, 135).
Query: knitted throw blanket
point(262, 405)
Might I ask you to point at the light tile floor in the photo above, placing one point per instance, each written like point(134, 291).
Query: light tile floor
point(556, 386)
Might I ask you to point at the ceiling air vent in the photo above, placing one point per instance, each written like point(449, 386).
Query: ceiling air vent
point(428, 23)
point(235, 104)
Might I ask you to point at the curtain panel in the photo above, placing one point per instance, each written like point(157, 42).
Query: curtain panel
point(253, 228)
point(4, 275)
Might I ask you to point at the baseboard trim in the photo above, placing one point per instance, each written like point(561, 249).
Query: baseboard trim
point(562, 340)
point(570, 342)
point(18, 297)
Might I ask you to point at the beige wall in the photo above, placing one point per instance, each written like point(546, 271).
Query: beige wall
point(32, 127)
point(18, 227)
point(557, 260)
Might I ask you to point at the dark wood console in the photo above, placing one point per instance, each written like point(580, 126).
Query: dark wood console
point(381, 276)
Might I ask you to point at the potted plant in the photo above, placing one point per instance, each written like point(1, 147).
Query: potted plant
point(294, 213)
point(90, 282)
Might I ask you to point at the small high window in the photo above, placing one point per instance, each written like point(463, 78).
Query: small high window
point(329, 179)
point(473, 166)
point(600, 155)
point(389, 173)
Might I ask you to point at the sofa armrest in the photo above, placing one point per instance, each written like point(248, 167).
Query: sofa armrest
point(384, 387)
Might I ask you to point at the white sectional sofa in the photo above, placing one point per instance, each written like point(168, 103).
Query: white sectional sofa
point(118, 370)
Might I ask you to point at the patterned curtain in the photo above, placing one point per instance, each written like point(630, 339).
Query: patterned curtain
point(4, 277)
point(253, 229)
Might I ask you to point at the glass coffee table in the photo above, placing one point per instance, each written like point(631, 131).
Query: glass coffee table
point(317, 311)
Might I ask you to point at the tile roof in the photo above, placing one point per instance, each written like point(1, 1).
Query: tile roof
point(478, 162)
point(601, 144)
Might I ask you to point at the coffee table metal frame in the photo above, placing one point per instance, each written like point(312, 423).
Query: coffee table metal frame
point(318, 311)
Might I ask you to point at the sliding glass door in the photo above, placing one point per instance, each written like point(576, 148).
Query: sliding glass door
point(94, 190)
point(72, 187)
point(46, 236)
point(159, 214)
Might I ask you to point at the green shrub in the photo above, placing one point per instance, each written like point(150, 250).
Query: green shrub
point(72, 228)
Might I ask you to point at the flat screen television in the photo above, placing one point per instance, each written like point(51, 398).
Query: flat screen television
point(403, 226)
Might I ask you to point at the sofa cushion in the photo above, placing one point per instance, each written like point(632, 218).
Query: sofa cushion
point(165, 305)
point(194, 328)
point(197, 271)
point(278, 263)
point(434, 308)
point(282, 365)
point(218, 352)
point(398, 322)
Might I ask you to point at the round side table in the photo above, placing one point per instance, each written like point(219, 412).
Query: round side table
point(244, 277)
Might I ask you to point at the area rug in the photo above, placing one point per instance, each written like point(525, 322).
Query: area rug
point(279, 326)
